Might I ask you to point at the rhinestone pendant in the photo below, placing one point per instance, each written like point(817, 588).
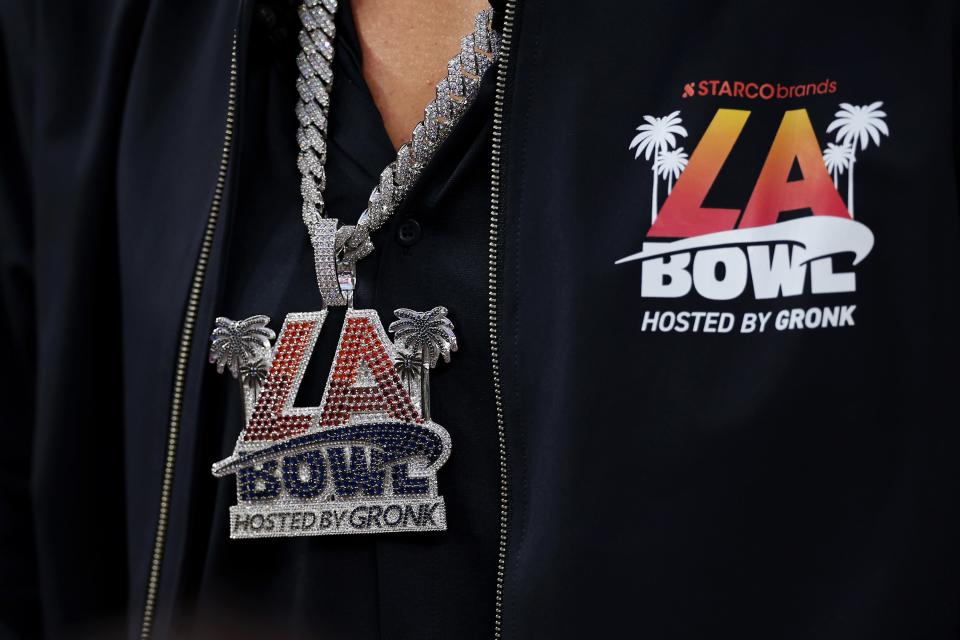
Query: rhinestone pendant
point(366, 459)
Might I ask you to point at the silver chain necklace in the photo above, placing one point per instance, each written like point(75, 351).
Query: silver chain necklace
point(455, 93)
point(366, 459)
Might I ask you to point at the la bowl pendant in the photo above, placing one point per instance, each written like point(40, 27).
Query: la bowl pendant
point(366, 459)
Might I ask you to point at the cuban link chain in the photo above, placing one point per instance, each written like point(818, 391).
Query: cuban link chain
point(336, 251)
point(313, 84)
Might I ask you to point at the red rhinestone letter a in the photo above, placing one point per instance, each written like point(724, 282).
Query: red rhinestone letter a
point(363, 378)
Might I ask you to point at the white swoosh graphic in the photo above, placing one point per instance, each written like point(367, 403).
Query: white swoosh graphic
point(815, 237)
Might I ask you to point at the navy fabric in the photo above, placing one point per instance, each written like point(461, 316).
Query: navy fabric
point(796, 484)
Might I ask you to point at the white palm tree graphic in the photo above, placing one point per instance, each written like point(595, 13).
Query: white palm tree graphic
point(670, 164)
point(655, 137)
point(837, 157)
point(858, 125)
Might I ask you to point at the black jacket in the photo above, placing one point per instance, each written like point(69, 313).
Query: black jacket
point(666, 473)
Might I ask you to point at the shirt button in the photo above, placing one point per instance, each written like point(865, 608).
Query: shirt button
point(266, 16)
point(409, 233)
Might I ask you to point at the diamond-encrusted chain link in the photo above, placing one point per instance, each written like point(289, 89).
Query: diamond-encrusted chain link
point(315, 62)
point(455, 93)
point(336, 251)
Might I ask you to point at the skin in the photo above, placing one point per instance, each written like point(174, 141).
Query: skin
point(406, 45)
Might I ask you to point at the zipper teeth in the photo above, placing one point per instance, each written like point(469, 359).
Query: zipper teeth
point(492, 289)
point(183, 354)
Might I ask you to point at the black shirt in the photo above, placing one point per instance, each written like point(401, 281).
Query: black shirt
point(331, 587)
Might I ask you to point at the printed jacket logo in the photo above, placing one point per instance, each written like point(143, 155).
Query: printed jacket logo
point(784, 241)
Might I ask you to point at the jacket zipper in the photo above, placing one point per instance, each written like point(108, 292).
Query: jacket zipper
point(496, 166)
point(193, 301)
point(183, 354)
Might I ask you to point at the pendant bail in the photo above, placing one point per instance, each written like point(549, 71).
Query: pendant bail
point(347, 278)
point(323, 234)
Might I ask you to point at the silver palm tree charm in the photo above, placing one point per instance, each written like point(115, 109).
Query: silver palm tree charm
point(243, 347)
point(254, 374)
point(408, 365)
point(430, 334)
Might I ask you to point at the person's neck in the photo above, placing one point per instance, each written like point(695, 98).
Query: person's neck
point(406, 45)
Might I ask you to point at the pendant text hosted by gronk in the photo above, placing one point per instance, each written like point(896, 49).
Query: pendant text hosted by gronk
point(366, 459)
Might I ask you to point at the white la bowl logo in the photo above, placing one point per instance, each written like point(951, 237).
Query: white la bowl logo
point(726, 253)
